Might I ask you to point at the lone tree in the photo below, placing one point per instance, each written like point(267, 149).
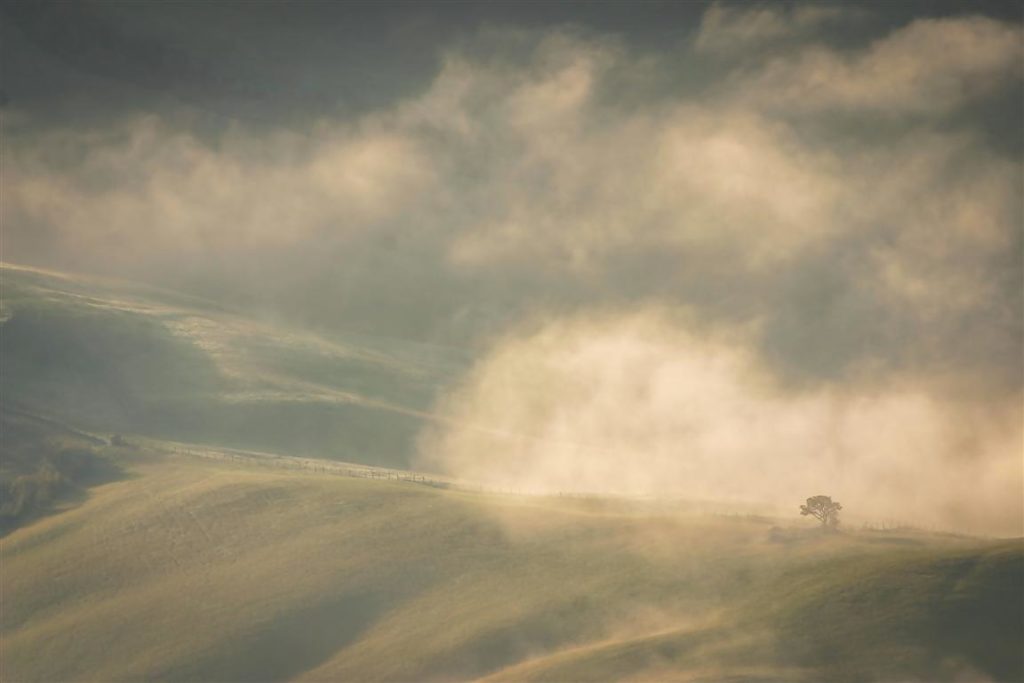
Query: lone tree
point(823, 509)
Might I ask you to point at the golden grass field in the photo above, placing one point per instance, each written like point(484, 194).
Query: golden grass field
point(194, 569)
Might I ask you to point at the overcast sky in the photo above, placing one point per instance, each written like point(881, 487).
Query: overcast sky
point(826, 195)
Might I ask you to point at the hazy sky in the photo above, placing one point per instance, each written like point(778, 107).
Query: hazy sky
point(826, 196)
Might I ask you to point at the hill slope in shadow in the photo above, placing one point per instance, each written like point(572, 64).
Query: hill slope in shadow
point(118, 357)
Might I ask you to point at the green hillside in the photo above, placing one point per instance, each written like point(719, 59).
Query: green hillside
point(188, 569)
point(119, 357)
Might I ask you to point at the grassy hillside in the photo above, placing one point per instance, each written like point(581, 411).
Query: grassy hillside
point(118, 357)
point(196, 569)
point(134, 560)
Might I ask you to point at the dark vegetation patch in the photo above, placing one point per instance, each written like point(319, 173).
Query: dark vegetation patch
point(43, 466)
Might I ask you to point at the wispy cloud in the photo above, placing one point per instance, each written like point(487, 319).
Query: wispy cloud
point(930, 67)
point(739, 28)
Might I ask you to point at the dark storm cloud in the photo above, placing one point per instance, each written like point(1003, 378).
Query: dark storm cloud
point(280, 62)
point(267, 62)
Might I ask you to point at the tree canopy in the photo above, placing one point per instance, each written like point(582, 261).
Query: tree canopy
point(824, 509)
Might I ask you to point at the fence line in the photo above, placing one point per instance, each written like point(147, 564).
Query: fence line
point(316, 465)
point(352, 470)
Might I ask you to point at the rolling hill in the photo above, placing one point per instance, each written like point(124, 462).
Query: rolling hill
point(120, 357)
point(188, 569)
point(246, 525)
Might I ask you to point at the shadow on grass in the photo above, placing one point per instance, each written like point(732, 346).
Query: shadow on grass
point(292, 643)
point(936, 616)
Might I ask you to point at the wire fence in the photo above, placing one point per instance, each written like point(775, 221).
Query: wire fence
point(354, 470)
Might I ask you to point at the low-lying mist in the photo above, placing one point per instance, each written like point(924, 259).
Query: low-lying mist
point(636, 404)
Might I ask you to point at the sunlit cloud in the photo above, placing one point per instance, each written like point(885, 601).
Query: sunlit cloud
point(635, 404)
point(737, 28)
point(928, 68)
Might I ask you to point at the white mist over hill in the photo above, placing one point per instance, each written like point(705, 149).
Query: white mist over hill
point(634, 404)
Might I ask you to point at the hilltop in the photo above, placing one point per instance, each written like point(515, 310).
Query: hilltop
point(120, 357)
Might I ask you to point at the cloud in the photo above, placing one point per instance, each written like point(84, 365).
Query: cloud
point(525, 172)
point(930, 67)
point(687, 178)
point(735, 29)
point(146, 186)
point(637, 404)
